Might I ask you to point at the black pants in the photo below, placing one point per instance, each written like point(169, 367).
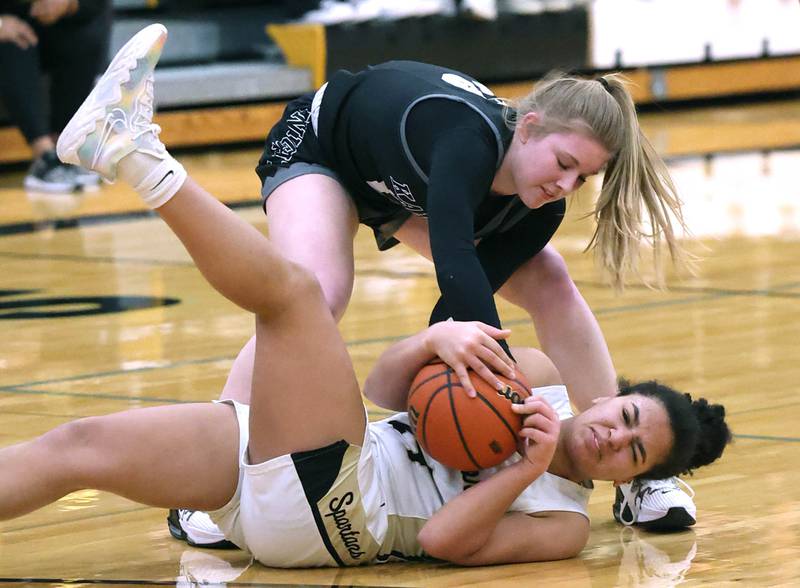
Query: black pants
point(73, 51)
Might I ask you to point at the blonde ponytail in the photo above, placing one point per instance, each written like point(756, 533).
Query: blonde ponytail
point(636, 181)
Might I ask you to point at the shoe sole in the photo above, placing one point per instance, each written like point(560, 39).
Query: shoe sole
point(677, 518)
point(93, 109)
point(177, 532)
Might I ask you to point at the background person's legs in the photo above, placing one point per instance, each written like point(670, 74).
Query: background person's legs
point(74, 53)
point(22, 94)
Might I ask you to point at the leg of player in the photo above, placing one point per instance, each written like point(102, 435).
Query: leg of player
point(310, 377)
point(312, 221)
point(565, 325)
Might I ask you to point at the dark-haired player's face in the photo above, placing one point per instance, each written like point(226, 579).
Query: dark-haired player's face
point(546, 168)
point(620, 438)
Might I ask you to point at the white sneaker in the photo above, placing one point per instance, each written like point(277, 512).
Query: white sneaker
point(197, 529)
point(116, 117)
point(657, 505)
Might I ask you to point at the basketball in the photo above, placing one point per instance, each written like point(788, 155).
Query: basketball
point(465, 433)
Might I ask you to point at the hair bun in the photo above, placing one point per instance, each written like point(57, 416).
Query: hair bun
point(714, 432)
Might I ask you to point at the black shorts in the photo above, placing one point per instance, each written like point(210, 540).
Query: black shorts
point(292, 150)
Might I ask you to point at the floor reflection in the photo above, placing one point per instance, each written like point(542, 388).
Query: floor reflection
point(204, 568)
point(655, 561)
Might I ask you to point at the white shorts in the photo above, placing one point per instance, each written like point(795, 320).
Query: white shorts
point(322, 507)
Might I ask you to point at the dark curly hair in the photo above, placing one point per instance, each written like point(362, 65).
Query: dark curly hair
point(699, 429)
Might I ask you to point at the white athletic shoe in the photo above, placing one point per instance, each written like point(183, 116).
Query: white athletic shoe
point(116, 117)
point(197, 529)
point(657, 505)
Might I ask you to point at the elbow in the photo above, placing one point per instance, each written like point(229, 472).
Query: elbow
point(439, 545)
point(379, 394)
point(574, 543)
point(433, 543)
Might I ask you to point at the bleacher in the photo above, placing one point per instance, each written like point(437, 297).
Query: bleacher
point(229, 66)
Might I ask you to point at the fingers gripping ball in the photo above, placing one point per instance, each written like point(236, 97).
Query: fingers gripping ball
point(465, 433)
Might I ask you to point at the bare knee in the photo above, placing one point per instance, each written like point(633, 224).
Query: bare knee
point(75, 444)
point(537, 367)
point(301, 290)
point(540, 282)
point(337, 296)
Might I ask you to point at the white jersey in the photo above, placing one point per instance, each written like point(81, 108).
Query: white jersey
point(415, 485)
point(344, 505)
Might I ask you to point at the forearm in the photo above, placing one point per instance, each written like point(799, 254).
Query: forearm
point(465, 524)
point(388, 383)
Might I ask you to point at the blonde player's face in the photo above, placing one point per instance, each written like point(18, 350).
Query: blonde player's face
point(620, 438)
point(546, 168)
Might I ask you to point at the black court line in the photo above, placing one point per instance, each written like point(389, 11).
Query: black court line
point(111, 218)
point(27, 227)
point(394, 274)
point(93, 395)
point(767, 438)
point(102, 259)
point(25, 387)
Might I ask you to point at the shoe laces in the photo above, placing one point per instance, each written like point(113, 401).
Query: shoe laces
point(632, 497)
point(142, 118)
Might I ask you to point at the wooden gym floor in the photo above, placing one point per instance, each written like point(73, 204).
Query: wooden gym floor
point(102, 310)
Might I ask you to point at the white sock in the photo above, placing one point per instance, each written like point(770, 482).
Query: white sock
point(155, 179)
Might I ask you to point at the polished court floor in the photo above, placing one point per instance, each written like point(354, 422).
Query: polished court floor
point(102, 310)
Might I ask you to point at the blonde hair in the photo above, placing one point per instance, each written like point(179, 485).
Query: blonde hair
point(636, 180)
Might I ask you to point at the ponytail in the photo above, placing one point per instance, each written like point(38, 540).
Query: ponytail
point(637, 188)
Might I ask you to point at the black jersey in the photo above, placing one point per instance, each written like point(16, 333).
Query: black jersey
point(428, 140)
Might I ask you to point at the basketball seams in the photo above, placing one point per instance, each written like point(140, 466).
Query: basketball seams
point(462, 429)
point(457, 424)
point(496, 412)
point(429, 378)
point(424, 422)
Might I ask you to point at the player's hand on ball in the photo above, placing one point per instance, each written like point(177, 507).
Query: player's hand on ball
point(471, 345)
point(540, 429)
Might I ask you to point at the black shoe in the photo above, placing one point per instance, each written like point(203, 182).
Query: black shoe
point(191, 526)
point(48, 174)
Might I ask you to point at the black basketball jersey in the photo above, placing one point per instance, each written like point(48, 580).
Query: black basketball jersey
point(429, 140)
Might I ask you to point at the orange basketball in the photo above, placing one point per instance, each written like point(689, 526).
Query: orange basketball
point(461, 432)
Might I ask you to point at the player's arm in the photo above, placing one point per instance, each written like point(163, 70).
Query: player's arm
point(470, 344)
point(503, 253)
point(462, 169)
point(475, 528)
point(519, 538)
